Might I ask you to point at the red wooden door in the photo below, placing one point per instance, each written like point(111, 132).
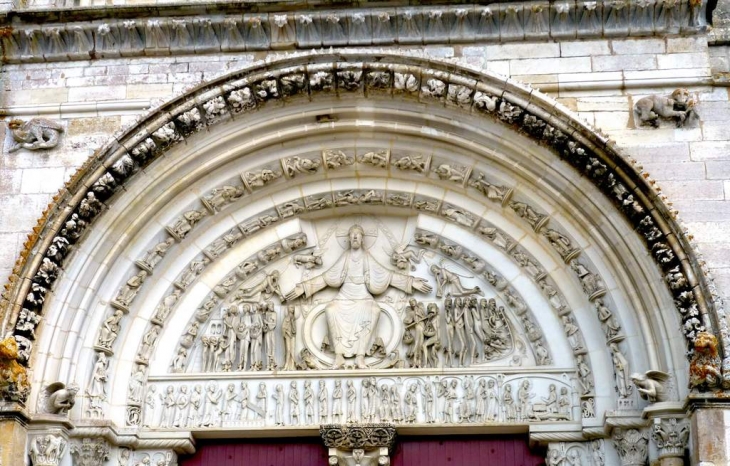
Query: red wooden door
point(255, 452)
point(508, 450)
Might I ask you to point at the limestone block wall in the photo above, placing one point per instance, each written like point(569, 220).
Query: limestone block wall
point(598, 79)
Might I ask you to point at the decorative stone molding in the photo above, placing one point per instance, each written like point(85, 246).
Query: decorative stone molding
point(364, 444)
point(670, 436)
point(215, 31)
point(588, 151)
point(90, 451)
point(358, 436)
point(631, 445)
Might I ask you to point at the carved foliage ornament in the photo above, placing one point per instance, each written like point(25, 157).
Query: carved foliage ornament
point(358, 436)
point(47, 450)
point(671, 436)
point(169, 134)
point(632, 446)
point(90, 452)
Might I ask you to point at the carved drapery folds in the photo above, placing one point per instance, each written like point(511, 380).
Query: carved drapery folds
point(419, 400)
point(508, 111)
point(149, 403)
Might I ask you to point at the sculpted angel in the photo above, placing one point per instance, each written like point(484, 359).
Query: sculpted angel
point(652, 385)
point(352, 315)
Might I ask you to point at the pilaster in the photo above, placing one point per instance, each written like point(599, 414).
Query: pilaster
point(14, 432)
point(710, 429)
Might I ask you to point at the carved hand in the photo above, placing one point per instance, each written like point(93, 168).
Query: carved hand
point(295, 293)
point(421, 285)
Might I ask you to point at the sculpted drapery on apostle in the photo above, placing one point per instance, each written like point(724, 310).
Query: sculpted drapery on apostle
point(352, 316)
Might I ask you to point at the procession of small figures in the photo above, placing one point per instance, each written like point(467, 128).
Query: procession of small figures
point(446, 400)
point(244, 339)
point(476, 331)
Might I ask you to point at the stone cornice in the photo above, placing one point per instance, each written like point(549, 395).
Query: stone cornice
point(88, 33)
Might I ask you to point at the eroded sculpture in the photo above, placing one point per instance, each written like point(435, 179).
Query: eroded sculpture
point(678, 107)
point(57, 398)
point(34, 134)
point(704, 366)
point(14, 383)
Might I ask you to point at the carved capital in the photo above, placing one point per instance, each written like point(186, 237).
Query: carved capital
point(670, 436)
point(632, 446)
point(366, 444)
point(47, 450)
point(367, 436)
point(90, 452)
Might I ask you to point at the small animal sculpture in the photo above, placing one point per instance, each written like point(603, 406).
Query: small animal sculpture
point(678, 106)
point(34, 134)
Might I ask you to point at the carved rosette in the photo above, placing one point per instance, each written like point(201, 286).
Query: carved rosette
point(358, 436)
point(355, 443)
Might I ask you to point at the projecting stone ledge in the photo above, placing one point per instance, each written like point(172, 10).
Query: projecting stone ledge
point(80, 33)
